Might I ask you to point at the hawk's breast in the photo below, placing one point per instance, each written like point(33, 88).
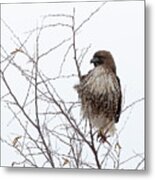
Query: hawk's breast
point(102, 81)
point(99, 93)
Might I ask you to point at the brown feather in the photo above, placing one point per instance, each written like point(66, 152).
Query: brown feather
point(100, 94)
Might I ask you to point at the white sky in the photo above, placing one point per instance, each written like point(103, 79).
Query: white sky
point(117, 27)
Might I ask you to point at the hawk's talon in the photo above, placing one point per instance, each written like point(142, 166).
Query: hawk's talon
point(103, 138)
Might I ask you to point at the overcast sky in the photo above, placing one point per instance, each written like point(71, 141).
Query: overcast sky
point(117, 27)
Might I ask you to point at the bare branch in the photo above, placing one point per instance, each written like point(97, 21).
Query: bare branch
point(74, 45)
point(132, 104)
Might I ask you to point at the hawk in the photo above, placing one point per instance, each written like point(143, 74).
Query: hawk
point(100, 94)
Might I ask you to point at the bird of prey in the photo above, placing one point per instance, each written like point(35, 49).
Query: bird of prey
point(100, 94)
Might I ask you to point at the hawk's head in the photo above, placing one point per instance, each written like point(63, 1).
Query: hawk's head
point(104, 58)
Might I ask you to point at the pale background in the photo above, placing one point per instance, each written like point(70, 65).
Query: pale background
point(56, 173)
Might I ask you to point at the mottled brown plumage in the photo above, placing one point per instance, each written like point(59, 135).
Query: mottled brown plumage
point(100, 94)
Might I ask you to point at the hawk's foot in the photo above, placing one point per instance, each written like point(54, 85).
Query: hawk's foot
point(103, 137)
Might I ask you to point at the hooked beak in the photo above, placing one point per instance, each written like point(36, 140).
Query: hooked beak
point(94, 60)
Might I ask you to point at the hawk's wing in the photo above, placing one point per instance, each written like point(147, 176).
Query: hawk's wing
point(83, 79)
point(119, 102)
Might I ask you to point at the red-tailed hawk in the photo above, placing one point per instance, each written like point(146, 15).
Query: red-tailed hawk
point(100, 94)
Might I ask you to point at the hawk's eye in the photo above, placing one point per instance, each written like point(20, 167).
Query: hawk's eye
point(101, 59)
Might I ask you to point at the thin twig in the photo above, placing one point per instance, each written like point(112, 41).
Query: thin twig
point(74, 45)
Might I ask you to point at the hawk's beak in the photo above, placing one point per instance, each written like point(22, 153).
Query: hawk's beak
point(94, 60)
